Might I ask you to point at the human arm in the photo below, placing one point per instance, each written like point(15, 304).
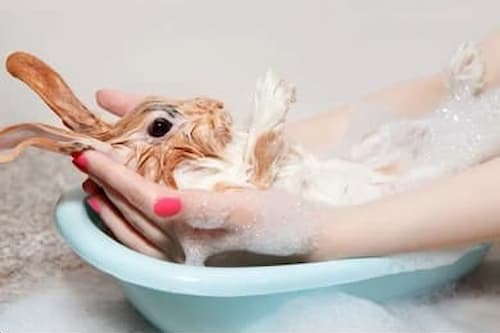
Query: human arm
point(193, 225)
point(456, 210)
point(318, 133)
point(453, 211)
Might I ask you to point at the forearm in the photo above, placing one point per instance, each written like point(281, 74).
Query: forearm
point(322, 131)
point(319, 132)
point(456, 210)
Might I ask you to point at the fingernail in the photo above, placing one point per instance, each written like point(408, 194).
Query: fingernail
point(80, 161)
point(90, 187)
point(167, 206)
point(100, 97)
point(94, 204)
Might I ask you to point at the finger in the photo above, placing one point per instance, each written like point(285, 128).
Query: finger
point(202, 209)
point(90, 187)
point(117, 102)
point(153, 200)
point(120, 228)
point(159, 238)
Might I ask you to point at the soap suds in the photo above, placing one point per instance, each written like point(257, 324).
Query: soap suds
point(460, 133)
point(270, 222)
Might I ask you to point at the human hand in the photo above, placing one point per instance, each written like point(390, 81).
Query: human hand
point(192, 225)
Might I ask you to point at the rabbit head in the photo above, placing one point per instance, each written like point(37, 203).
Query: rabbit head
point(153, 139)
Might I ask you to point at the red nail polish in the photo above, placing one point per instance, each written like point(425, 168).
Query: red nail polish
point(90, 187)
point(94, 204)
point(76, 154)
point(80, 161)
point(167, 206)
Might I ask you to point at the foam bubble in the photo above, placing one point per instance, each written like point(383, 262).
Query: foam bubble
point(272, 222)
point(338, 312)
point(462, 132)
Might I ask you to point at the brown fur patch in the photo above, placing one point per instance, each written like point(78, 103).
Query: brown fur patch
point(390, 169)
point(268, 150)
point(224, 186)
point(206, 135)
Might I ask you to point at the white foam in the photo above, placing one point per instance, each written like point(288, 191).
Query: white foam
point(272, 222)
point(87, 304)
point(336, 312)
point(462, 132)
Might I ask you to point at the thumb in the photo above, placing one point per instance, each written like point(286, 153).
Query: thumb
point(117, 102)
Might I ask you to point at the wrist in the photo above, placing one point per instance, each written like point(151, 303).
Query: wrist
point(330, 231)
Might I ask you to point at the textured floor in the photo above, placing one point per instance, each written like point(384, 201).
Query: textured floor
point(39, 274)
point(31, 251)
point(30, 248)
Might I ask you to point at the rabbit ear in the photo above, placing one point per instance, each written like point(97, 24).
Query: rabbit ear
point(15, 139)
point(56, 94)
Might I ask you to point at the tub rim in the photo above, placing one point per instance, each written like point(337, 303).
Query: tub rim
point(129, 266)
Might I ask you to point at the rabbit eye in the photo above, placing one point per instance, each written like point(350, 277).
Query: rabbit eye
point(159, 127)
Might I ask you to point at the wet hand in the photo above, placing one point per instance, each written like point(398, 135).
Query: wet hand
point(192, 225)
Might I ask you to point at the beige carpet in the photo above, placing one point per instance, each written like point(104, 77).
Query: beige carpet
point(30, 247)
point(39, 274)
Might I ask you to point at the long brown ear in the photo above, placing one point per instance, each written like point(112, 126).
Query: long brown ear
point(15, 139)
point(56, 94)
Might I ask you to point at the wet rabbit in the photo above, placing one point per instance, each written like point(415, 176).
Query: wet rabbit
point(189, 143)
point(161, 135)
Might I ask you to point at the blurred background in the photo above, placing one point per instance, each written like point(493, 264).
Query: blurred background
point(334, 51)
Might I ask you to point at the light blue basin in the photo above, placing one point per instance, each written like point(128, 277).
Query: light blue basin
point(181, 298)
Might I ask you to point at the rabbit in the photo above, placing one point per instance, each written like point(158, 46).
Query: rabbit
point(192, 143)
point(188, 143)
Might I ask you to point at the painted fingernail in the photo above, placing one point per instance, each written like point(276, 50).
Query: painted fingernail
point(167, 206)
point(75, 154)
point(90, 187)
point(80, 161)
point(94, 204)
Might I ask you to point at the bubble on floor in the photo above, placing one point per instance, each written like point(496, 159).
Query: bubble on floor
point(339, 312)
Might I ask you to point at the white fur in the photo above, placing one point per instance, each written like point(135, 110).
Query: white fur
point(337, 181)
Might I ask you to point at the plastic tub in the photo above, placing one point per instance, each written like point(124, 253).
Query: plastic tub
point(180, 298)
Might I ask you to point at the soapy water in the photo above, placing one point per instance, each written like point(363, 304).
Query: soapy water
point(464, 131)
point(459, 134)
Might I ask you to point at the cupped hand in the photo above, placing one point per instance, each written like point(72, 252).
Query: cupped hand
point(191, 225)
